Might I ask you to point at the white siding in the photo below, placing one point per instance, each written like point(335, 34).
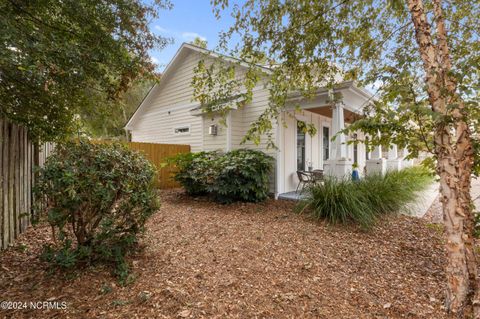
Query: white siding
point(313, 151)
point(237, 127)
point(170, 106)
point(214, 142)
point(250, 113)
point(242, 119)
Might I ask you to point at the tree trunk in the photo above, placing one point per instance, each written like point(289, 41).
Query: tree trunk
point(455, 160)
point(461, 274)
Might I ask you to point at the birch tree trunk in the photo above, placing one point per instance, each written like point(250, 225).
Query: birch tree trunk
point(454, 151)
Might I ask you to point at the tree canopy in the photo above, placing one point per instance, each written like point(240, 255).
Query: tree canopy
point(59, 58)
point(107, 117)
point(419, 56)
point(199, 42)
point(312, 44)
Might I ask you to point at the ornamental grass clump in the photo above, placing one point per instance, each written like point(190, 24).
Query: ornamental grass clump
point(363, 202)
point(98, 198)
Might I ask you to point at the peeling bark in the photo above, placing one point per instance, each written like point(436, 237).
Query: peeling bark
point(453, 148)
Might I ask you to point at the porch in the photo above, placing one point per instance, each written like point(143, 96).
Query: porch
point(329, 112)
point(292, 196)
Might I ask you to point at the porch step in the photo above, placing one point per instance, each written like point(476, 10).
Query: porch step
point(295, 196)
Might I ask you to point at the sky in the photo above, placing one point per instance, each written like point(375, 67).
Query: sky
point(185, 21)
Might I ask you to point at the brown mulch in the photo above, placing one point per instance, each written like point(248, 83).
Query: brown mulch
point(434, 213)
point(243, 261)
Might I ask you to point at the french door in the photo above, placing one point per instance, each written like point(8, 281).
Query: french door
point(301, 148)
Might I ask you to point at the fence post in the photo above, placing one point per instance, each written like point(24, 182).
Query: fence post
point(16, 180)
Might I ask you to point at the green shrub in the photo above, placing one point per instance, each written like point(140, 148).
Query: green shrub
point(99, 197)
point(195, 171)
point(363, 201)
point(239, 175)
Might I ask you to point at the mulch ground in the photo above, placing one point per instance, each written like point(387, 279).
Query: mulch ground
point(204, 260)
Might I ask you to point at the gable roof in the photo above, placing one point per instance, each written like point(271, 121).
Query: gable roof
point(184, 47)
point(188, 46)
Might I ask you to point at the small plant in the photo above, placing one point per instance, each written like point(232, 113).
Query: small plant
point(436, 227)
point(239, 175)
point(363, 201)
point(106, 289)
point(120, 303)
point(99, 197)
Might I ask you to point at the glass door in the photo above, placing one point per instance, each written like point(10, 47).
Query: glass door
point(301, 144)
point(326, 143)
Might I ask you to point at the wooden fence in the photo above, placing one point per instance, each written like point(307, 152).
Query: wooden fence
point(157, 154)
point(43, 152)
point(18, 159)
point(16, 181)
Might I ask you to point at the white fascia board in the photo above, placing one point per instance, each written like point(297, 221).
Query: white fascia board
point(223, 57)
point(131, 121)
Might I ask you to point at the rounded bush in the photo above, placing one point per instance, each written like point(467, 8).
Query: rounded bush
point(239, 175)
point(98, 197)
point(242, 175)
point(195, 171)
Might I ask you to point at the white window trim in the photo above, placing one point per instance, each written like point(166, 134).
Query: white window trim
point(328, 125)
point(306, 120)
point(182, 127)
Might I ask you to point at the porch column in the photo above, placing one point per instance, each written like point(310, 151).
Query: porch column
point(338, 124)
point(406, 162)
point(394, 163)
point(377, 152)
point(339, 165)
point(376, 164)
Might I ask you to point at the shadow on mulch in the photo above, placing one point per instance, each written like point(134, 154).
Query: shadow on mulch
point(202, 259)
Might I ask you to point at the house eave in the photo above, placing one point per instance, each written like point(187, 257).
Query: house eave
point(363, 94)
point(131, 121)
point(185, 46)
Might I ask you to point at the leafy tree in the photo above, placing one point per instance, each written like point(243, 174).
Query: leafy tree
point(107, 118)
point(199, 42)
point(58, 58)
point(422, 57)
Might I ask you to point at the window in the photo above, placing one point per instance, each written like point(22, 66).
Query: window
point(300, 148)
point(326, 143)
point(181, 130)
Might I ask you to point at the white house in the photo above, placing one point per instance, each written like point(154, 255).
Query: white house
point(168, 115)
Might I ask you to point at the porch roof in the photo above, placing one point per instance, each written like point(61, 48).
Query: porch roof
point(354, 99)
point(326, 110)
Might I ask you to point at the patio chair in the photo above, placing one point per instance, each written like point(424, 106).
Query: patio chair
point(304, 178)
point(317, 175)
